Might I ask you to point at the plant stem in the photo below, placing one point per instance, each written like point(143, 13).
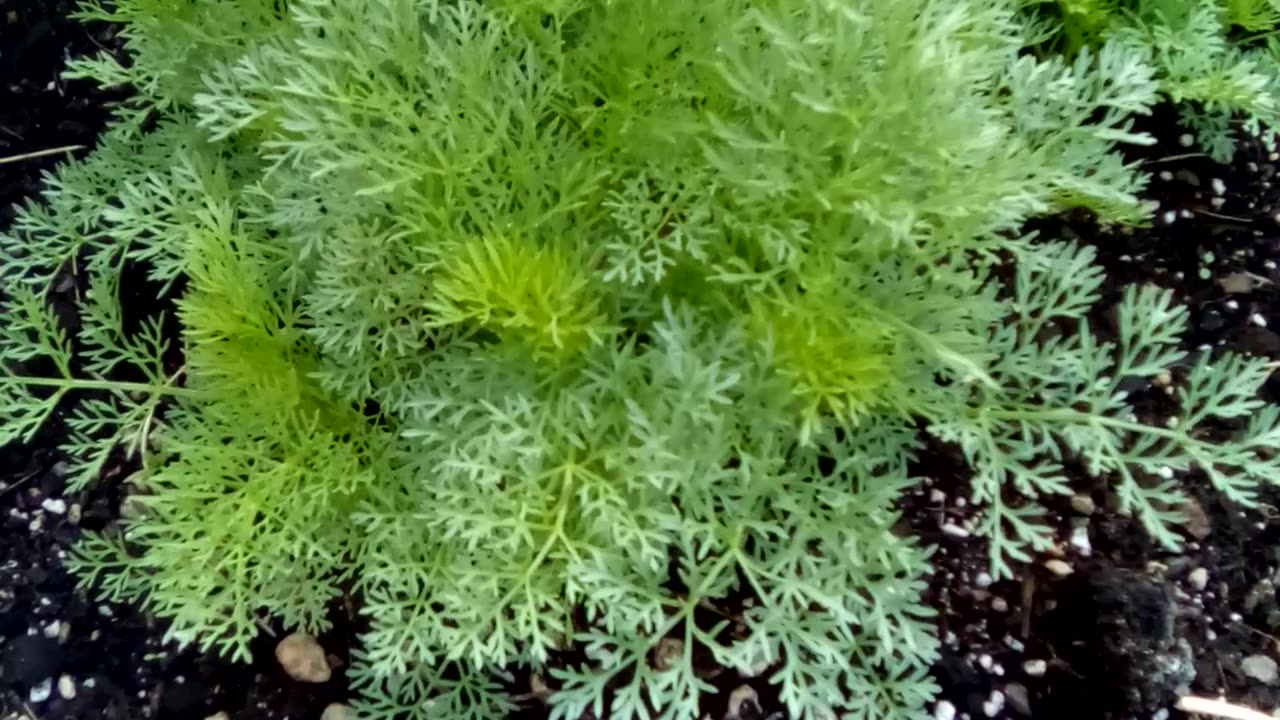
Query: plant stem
point(40, 153)
point(110, 385)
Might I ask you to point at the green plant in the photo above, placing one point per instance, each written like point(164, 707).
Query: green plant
point(1219, 77)
point(552, 322)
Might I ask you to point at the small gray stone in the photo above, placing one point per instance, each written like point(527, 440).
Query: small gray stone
point(66, 687)
point(1261, 668)
point(1018, 699)
point(944, 711)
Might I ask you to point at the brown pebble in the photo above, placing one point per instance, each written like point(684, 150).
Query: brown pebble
point(303, 658)
point(337, 711)
point(1059, 568)
point(1196, 522)
point(1083, 504)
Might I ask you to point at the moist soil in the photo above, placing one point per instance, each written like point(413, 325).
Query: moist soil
point(1115, 628)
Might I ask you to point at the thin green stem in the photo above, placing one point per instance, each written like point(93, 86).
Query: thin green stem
point(109, 385)
point(1068, 415)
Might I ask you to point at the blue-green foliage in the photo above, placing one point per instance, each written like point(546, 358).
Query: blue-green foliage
point(551, 322)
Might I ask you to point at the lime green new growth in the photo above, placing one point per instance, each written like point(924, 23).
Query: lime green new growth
point(552, 322)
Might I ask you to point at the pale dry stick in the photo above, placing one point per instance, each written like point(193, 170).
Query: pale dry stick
point(1175, 158)
point(1218, 708)
point(39, 154)
point(1220, 216)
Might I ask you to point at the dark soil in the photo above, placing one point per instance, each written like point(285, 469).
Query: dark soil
point(1123, 635)
point(1131, 628)
point(63, 655)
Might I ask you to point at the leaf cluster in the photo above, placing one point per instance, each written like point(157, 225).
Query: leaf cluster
point(1217, 60)
point(549, 324)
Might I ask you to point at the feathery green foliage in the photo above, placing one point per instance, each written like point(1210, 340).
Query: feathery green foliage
point(1209, 56)
point(561, 322)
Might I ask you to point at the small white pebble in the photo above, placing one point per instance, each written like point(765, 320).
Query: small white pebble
point(944, 711)
point(1269, 264)
point(997, 670)
point(1035, 668)
point(984, 662)
point(1014, 644)
point(1235, 617)
point(41, 691)
point(1171, 216)
point(994, 704)
point(1219, 187)
point(90, 683)
point(961, 502)
point(52, 630)
point(936, 496)
point(1165, 175)
point(1185, 213)
point(1165, 472)
point(1171, 421)
point(1217, 202)
point(66, 687)
point(1186, 140)
point(54, 505)
point(1198, 579)
point(954, 530)
point(1080, 541)
point(1274, 156)
point(1232, 305)
point(1258, 319)
point(1161, 714)
point(105, 611)
point(999, 604)
point(982, 580)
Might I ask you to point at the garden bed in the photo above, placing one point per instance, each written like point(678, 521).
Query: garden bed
point(1109, 627)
